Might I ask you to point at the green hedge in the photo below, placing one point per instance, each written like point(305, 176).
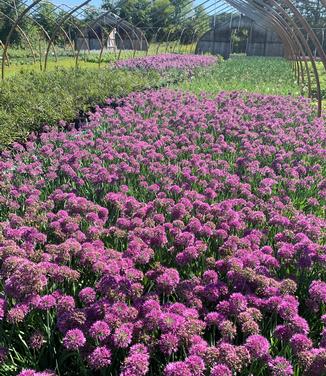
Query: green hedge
point(29, 101)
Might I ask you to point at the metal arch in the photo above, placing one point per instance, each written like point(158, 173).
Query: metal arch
point(143, 35)
point(122, 41)
point(225, 6)
point(312, 60)
point(89, 26)
point(297, 43)
point(308, 29)
point(3, 46)
point(162, 41)
point(55, 32)
point(222, 7)
point(96, 22)
point(22, 32)
point(156, 35)
point(97, 37)
point(35, 22)
point(264, 26)
point(168, 40)
point(77, 28)
point(159, 43)
point(261, 19)
point(79, 31)
point(178, 42)
point(302, 21)
point(133, 29)
point(300, 35)
point(59, 25)
point(267, 21)
point(116, 22)
point(123, 24)
point(128, 35)
point(19, 18)
point(306, 46)
point(84, 38)
point(108, 35)
point(304, 42)
point(187, 18)
point(161, 27)
point(271, 21)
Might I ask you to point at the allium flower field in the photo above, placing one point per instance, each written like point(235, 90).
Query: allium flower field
point(162, 62)
point(173, 235)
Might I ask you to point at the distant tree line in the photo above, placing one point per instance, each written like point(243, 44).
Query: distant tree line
point(162, 18)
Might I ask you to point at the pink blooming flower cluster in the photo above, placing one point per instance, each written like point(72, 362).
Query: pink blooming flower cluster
point(173, 235)
point(163, 62)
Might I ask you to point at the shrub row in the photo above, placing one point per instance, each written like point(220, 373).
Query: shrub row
point(29, 101)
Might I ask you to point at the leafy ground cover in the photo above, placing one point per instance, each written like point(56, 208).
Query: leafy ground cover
point(173, 235)
point(251, 74)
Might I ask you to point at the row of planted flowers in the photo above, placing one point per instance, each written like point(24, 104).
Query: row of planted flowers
point(172, 236)
point(181, 62)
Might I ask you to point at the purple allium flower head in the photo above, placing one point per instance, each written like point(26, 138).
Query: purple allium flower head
point(31, 372)
point(36, 341)
point(238, 303)
point(46, 302)
point(74, 339)
point(123, 335)
point(317, 292)
point(100, 330)
point(99, 358)
point(17, 314)
point(196, 365)
point(300, 342)
point(168, 281)
point(283, 332)
point(279, 366)
point(214, 318)
point(228, 330)
point(168, 343)
point(137, 363)
point(87, 295)
point(177, 369)
point(258, 346)
point(220, 370)
point(65, 303)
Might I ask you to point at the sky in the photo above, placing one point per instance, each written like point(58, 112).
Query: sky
point(93, 2)
point(76, 2)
